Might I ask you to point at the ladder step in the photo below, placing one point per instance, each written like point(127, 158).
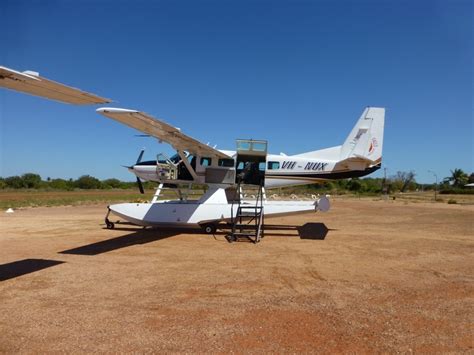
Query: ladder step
point(246, 214)
point(246, 226)
point(248, 221)
point(244, 234)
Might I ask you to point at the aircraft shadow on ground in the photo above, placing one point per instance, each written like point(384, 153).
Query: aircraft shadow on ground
point(313, 231)
point(25, 266)
point(141, 236)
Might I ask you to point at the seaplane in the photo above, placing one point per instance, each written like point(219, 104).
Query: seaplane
point(225, 173)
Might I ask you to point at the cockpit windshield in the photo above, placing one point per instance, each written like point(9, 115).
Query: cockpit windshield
point(163, 158)
point(175, 159)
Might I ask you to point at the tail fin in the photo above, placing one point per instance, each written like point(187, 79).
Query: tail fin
point(366, 138)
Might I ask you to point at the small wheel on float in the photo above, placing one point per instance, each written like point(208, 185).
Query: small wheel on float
point(209, 228)
point(110, 225)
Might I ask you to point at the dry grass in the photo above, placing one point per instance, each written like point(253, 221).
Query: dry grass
point(35, 198)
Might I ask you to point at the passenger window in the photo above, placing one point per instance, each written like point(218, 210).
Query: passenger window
point(226, 162)
point(243, 145)
point(261, 166)
point(206, 161)
point(259, 147)
point(273, 165)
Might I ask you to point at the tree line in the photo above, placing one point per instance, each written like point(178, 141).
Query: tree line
point(85, 182)
point(399, 182)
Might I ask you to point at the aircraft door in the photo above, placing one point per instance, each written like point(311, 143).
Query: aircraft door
point(165, 168)
point(251, 161)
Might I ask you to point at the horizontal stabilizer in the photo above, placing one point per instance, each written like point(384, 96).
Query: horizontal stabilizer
point(31, 83)
point(356, 163)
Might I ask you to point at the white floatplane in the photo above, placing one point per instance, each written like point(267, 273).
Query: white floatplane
point(225, 172)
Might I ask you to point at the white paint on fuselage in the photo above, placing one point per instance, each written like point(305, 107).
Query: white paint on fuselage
point(281, 170)
point(295, 170)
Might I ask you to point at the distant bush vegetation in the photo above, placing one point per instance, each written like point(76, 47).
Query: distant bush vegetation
point(86, 182)
point(400, 182)
point(366, 186)
point(454, 191)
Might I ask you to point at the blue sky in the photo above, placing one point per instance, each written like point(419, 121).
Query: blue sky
point(297, 73)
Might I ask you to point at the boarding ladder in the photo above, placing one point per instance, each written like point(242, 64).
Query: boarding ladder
point(248, 220)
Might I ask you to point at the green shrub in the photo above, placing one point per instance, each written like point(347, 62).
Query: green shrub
point(457, 191)
point(112, 184)
point(87, 182)
point(14, 182)
point(60, 184)
point(31, 181)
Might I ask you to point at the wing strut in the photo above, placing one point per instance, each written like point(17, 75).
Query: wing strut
point(188, 165)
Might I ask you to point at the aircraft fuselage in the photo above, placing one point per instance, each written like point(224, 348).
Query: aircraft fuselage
point(280, 170)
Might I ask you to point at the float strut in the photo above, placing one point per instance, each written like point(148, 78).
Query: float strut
point(109, 225)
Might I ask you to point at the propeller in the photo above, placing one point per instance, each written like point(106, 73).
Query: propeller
point(140, 185)
point(139, 182)
point(140, 156)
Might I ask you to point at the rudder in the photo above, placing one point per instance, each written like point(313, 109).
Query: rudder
point(366, 138)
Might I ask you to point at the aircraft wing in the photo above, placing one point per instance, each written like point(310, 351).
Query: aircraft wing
point(31, 83)
point(161, 130)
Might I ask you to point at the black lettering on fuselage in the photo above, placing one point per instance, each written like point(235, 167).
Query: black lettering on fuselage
point(288, 164)
point(316, 166)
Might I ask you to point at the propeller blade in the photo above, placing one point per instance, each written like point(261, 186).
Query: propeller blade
point(140, 156)
point(140, 185)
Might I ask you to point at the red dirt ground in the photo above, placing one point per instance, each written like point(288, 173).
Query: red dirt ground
point(368, 276)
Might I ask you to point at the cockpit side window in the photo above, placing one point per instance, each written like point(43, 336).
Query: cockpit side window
point(206, 161)
point(273, 165)
point(229, 163)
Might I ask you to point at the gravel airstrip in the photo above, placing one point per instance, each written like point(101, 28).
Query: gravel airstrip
point(368, 276)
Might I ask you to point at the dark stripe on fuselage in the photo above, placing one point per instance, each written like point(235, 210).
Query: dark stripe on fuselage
point(149, 162)
point(327, 176)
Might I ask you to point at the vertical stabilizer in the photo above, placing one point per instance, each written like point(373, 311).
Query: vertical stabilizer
point(366, 138)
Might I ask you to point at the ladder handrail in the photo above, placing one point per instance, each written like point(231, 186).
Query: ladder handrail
point(256, 216)
point(260, 220)
point(232, 209)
